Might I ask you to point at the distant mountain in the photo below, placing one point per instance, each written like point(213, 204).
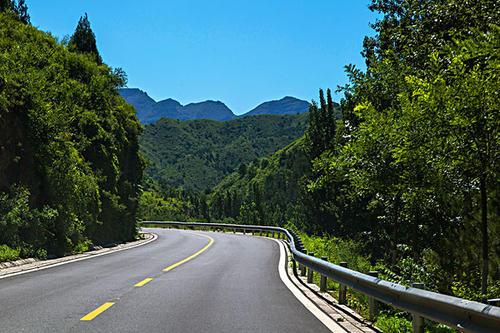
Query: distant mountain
point(207, 110)
point(149, 111)
point(285, 106)
point(142, 102)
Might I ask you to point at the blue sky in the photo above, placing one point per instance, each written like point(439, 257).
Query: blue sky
point(239, 52)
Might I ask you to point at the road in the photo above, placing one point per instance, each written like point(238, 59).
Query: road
point(214, 283)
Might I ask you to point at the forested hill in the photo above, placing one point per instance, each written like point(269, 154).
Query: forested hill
point(198, 154)
point(69, 163)
point(266, 191)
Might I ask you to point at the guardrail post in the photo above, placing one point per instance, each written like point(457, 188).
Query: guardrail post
point(418, 321)
point(244, 232)
point(372, 301)
point(302, 267)
point(322, 282)
point(342, 287)
point(310, 271)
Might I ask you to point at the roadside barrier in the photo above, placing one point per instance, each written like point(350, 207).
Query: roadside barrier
point(464, 315)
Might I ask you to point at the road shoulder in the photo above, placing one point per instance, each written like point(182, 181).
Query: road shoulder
point(23, 266)
point(338, 318)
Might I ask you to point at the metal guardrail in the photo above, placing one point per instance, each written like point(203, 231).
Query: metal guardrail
point(464, 315)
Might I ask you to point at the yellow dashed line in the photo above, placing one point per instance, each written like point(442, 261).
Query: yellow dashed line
point(97, 311)
point(106, 306)
point(143, 282)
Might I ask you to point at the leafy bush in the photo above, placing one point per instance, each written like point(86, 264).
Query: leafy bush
point(8, 254)
point(394, 324)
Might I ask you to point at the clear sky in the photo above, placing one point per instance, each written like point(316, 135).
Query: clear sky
point(239, 52)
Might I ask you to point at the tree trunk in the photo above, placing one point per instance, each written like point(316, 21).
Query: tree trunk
point(484, 234)
point(395, 233)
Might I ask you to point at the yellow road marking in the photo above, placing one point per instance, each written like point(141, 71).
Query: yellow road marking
point(97, 311)
point(143, 282)
point(194, 255)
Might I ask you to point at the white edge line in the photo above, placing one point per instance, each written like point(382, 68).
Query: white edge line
point(90, 256)
point(309, 305)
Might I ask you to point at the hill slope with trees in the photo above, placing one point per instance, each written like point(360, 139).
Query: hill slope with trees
point(198, 154)
point(267, 191)
point(69, 163)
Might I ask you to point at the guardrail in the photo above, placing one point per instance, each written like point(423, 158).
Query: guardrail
point(464, 315)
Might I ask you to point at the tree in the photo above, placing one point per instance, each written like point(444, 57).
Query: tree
point(20, 9)
point(320, 134)
point(83, 40)
point(426, 174)
point(459, 104)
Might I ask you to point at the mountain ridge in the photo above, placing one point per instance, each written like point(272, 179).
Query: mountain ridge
point(149, 111)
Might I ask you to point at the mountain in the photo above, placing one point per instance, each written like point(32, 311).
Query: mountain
point(141, 101)
point(149, 111)
point(287, 105)
point(166, 108)
point(207, 110)
point(198, 154)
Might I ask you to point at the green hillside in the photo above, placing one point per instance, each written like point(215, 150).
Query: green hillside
point(69, 163)
point(267, 191)
point(198, 154)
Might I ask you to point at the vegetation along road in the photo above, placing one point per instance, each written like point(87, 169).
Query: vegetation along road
point(229, 283)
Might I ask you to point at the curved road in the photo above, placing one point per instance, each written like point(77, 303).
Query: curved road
point(232, 286)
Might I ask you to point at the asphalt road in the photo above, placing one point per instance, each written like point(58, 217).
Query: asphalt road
point(232, 286)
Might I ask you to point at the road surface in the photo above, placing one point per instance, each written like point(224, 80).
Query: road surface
point(182, 282)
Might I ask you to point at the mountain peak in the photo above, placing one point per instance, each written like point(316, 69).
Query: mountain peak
point(286, 106)
point(149, 111)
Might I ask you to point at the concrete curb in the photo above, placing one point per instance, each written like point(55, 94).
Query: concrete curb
point(23, 266)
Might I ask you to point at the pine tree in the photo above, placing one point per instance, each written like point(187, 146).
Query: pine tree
point(83, 40)
point(21, 9)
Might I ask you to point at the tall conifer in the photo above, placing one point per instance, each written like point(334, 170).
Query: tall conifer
point(83, 40)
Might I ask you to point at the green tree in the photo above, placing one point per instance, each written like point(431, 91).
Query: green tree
point(459, 104)
point(321, 131)
point(20, 9)
point(83, 40)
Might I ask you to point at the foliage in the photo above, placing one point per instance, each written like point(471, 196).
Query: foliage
point(19, 9)
point(197, 154)
point(154, 207)
point(83, 40)
point(391, 324)
point(321, 131)
point(337, 250)
point(416, 153)
point(8, 254)
point(264, 192)
point(69, 163)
